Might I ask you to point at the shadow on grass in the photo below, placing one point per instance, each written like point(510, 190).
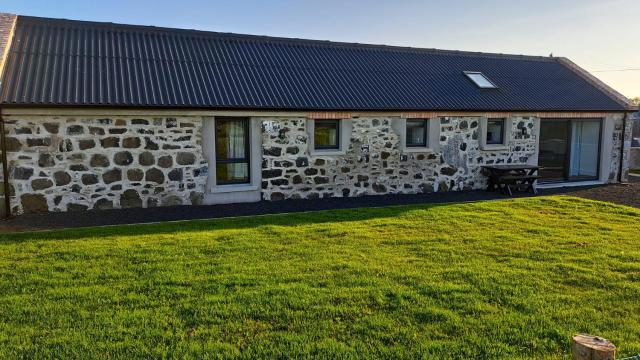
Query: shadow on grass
point(97, 218)
point(287, 219)
point(236, 223)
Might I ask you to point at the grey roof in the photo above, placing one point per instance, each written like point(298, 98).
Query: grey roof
point(55, 62)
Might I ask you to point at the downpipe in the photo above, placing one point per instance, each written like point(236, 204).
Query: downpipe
point(5, 168)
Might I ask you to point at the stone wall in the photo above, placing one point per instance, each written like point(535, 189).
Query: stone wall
point(3, 209)
point(374, 163)
point(617, 144)
point(68, 163)
point(79, 163)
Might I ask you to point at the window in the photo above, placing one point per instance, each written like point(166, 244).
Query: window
point(480, 80)
point(329, 137)
point(232, 151)
point(326, 135)
point(495, 132)
point(416, 133)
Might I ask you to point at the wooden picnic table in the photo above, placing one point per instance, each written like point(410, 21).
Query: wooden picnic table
point(504, 177)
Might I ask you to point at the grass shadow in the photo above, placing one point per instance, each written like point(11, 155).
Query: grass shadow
point(235, 223)
point(279, 219)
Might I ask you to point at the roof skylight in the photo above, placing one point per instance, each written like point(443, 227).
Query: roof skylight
point(480, 80)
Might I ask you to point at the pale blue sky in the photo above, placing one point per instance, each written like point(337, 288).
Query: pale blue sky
point(596, 34)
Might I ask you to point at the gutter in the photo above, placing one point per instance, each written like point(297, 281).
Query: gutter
point(5, 168)
point(111, 106)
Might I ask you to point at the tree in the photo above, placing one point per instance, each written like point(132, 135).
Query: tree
point(636, 100)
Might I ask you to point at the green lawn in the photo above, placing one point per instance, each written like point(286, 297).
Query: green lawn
point(635, 171)
point(499, 279)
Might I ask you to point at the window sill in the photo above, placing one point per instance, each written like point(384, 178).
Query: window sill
point(233, 188)
point(418, 149)
point(494, 147)
point(331, 152)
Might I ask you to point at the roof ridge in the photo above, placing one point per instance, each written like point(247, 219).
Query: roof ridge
point(330, 43)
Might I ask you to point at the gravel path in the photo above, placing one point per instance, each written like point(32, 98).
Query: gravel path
point(626, 194)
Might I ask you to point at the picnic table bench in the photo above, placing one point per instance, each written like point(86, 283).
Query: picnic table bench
point(505, 177)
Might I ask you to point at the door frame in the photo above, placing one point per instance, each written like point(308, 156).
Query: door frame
point(567, 160)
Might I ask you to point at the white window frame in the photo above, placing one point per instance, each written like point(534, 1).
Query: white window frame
point(470, 76)
point(433, 135)
point(346, 126)
point(233, 193)
point(506, 139)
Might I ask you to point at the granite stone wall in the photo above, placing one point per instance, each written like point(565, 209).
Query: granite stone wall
point(618, 132)
point(69, 163)
point(373, 162)
point(80, 163)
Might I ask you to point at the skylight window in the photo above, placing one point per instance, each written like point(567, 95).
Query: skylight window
point(480, 80)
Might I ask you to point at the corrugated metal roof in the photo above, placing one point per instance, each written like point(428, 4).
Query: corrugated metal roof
point(56, 62)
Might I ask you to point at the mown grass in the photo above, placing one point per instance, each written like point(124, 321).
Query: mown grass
point(500, 279)
point(635, 171)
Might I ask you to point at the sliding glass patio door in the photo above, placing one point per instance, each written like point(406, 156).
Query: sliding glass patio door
point(569, 149)
point(585, 149)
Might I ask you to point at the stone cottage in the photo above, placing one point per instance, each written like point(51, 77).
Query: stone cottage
point(101, 116)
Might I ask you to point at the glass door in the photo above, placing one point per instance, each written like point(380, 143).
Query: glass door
point(552, 155)
point(569, 149)
point(585, 149)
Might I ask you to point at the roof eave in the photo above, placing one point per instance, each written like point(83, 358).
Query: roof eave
point(263, 108)
point(612, 93)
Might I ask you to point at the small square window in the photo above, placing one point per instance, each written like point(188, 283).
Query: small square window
point(326, 134)
point(480, 80)
point(495, 132)
point(417, 131)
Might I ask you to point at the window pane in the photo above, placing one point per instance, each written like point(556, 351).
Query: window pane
point(326, 134)
point(230, 139)
point(232, 173)
point(416, 133)
point(585, 146)
point(554, 137)
point(480, 80)
point(495, 132)
point(232, 162)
